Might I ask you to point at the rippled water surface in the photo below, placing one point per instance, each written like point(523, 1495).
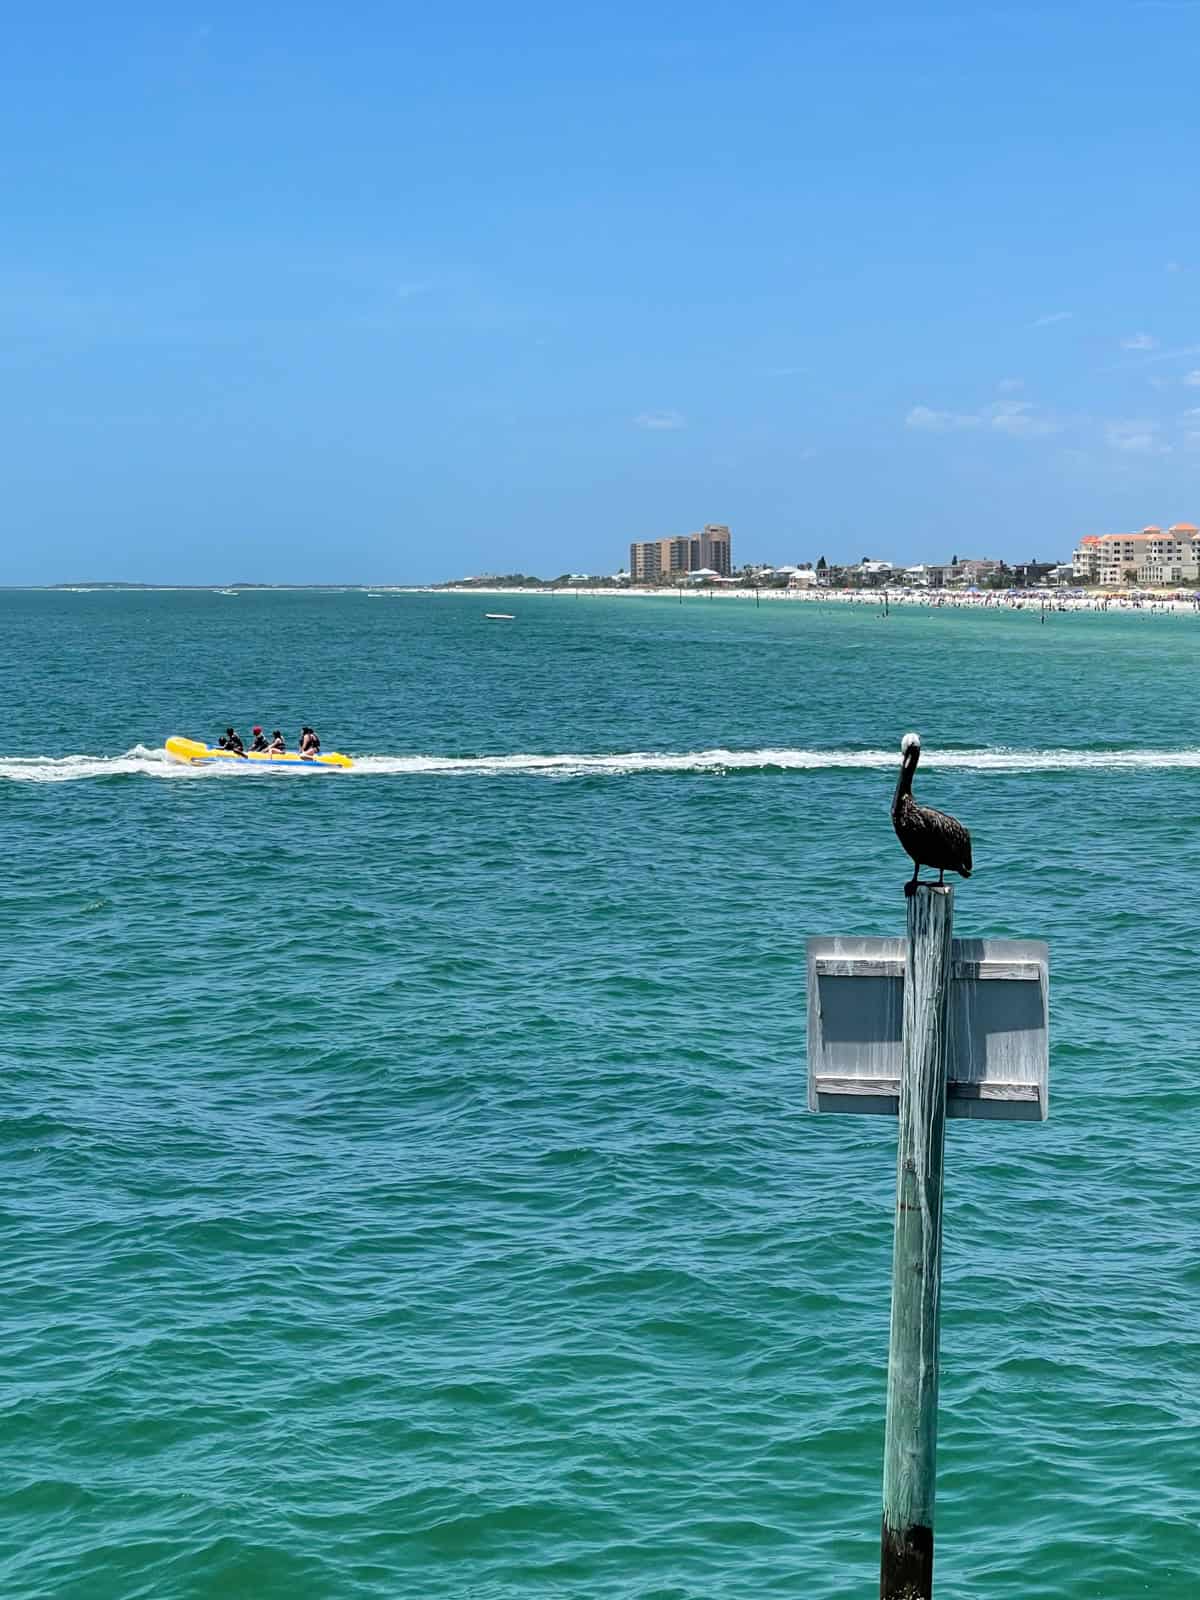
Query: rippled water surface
point(407, 1185)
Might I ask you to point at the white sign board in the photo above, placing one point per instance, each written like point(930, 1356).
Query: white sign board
point(998, 1027)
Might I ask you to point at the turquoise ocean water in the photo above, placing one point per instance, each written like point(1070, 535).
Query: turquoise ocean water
point(407, 1184)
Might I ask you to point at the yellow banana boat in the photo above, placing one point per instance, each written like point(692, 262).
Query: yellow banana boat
point(194, 754)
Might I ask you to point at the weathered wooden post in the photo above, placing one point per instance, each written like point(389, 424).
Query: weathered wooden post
point(910, 1437)
point(923, 1028)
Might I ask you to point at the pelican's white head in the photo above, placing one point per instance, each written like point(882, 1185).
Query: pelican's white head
point(910, 744)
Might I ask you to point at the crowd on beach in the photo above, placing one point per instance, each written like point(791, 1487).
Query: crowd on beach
point(1016, 599)
point(1181, 602)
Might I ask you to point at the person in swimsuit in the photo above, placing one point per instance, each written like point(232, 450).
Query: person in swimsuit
point(260, 740)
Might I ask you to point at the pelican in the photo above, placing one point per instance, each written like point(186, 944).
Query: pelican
point(931, 838)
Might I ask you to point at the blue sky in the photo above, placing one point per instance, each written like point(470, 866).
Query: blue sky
point(421, 291)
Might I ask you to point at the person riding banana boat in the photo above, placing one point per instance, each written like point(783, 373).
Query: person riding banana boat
point(272, 751)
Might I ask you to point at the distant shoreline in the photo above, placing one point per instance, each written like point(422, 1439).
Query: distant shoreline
point(1050, 600)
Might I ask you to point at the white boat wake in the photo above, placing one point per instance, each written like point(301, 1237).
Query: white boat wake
point(145, 761)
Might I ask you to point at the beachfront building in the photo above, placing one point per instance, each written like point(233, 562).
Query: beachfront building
point(1035, 574)
point(872, 574)
point(969, 572)
point(1153, 556)
point(1085, 560)
point(712, 547)
point(865, 575)
point(645, 562)
point(977, 570)
point(654, 560)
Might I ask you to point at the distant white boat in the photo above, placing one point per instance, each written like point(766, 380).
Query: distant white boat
point(498, 616)
point(233, 592)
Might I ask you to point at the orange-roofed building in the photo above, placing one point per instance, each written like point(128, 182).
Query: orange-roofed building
point(1151, 556)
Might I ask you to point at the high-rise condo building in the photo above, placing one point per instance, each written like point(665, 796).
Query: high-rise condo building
point(711, 547)
point(662, 558)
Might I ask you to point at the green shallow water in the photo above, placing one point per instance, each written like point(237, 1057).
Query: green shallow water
point(407, 1184)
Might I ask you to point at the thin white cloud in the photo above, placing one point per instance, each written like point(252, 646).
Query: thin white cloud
point(1010, 385)
point(1172, 355)
point(1156, 359)
point(1140, 341)
point(661, 421)
point(1192, 379)
point(931, 421)
point(1136, 437)
point(1192, 412)
point(1174, 266)
point(1052, 317)
point(1019, 419)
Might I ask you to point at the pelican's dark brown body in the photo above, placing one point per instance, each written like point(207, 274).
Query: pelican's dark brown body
point(930, 837)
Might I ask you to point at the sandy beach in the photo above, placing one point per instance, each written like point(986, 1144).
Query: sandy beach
point(1166, 603)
